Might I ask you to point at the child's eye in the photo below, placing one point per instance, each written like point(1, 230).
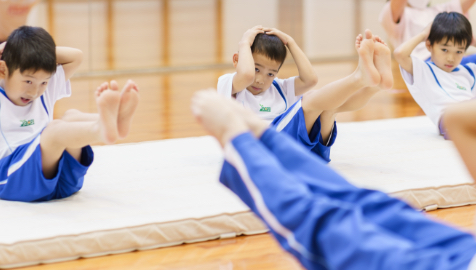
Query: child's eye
point(270, 74)
point(445, 50)
point(44, 83)
point(28, 82)
point(459, 52)
point(256, 70)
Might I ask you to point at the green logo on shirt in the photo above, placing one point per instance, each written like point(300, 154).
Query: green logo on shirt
point(265, 109)
point(460, 87)
point(25, 123)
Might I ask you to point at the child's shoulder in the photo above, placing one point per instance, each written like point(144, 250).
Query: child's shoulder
point(227, 76)
point(225, 84)
point(471, 66)
point(469, 71)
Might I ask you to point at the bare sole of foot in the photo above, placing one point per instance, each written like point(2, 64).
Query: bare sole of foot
point(365, 49)
point(383, 63)
point(108, 107)
point(217, 116)
point(127, 107)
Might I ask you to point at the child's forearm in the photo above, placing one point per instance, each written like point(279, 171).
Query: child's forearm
point(307, 76)
point(407, 47)
point(245, 68)
point(69, 58)
point(66, 55)
point(244, 62)
point(403, 53)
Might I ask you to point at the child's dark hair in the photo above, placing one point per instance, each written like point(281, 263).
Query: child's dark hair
point(30, 48)
point(451, 26)
point(270, 46)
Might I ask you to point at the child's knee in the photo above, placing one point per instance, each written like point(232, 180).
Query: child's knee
point(52, 127)
point(69, 113)
point(51, 132)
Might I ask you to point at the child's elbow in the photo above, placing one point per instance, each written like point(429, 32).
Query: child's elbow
point(78, 55)
point(247, 78)
point(313, 81)
point(400, 56)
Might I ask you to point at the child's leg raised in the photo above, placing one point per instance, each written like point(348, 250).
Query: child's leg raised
point(382, 61)
point(73, 115)
point(71, 136)
point(127, 106)
point(325, 102)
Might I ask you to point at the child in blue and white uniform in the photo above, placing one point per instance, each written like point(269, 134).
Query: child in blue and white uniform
point(307, 116)
point(41, 158)
point(314, 213)
point(442, 81)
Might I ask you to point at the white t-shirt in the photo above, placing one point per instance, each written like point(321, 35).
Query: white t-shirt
point(21, 124)
point(412, 22)
point(268, 104)
point(433, 89)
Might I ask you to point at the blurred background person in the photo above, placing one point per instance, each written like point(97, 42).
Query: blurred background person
point(13, 14)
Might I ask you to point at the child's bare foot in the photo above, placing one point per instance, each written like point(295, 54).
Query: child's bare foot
point(127, 106)
point(217, 116)
point(103, 87)
point(367, 71)
point(107, 101)
point(382, 61)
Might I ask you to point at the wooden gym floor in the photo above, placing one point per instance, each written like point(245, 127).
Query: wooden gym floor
point(118, 43)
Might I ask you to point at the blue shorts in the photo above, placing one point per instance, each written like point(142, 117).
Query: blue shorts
point(293, 123)
point(442, 129)
point(22, 176)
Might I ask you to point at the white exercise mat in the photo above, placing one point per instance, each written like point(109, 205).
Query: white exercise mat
point(405, 157)
point(135, 196)
point(163, 193)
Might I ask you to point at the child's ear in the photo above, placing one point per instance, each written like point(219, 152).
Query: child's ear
point(3, 70)
point(235, 59)
point(428, 45)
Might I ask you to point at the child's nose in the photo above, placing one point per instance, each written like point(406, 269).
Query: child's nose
point(259, 78)
point(32, 91)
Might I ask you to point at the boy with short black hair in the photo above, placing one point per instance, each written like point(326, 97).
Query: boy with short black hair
point(41, 158)
point(310, 119)
point(442, 80)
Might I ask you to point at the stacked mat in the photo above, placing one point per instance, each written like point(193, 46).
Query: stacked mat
point(164, 193)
